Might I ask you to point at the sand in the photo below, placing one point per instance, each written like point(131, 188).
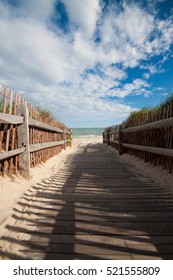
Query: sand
point(11, 189)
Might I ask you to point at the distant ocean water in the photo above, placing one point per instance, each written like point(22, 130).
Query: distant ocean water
point(87, 132)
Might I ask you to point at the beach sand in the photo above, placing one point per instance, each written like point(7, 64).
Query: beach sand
point(11, 189)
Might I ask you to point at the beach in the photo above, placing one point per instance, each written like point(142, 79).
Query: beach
point(12, 189)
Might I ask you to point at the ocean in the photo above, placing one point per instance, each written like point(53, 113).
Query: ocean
point(87, 132)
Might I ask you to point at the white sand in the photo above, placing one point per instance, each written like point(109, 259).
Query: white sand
point(11, 189)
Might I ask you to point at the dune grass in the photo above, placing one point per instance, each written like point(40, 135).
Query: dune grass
point(138, 117)
point(44, 113)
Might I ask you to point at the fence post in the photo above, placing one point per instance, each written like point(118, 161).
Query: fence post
point(23, 141)
point(108, 137)
point(64, 138)
point(120, 146)
point(70, 138)
point(103, 134)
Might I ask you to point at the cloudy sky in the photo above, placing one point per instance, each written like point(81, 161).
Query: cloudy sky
point(91, 62)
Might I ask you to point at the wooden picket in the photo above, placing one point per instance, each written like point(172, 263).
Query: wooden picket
point(149, 137)
point(26, 137)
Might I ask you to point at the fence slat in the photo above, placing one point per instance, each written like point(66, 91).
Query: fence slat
point(12, 133)
point(64, 139)
point(10, 119)
point(13, 153)
point(114, 142)
point(40, 146)
point(15, 130)
point(20, 132)
point(151, 125)
point(159, 151)
point(23, 141)
point(149, 137)
point(5, 134)
point(38, 124)
point(9, 128)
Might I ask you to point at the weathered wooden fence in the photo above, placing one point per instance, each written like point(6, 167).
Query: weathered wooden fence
point(27, 137)
point(150, 138)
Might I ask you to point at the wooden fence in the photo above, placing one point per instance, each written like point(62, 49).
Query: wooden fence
point(27, 137)
point(150, 138)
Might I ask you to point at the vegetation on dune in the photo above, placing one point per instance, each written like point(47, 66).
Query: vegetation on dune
point(7, 106)
point(167, 101)
point(145, 114)
point(47, 116)
point(39, 113)
point(44, 113)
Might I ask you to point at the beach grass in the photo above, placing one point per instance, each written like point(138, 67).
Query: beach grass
point(138, 117)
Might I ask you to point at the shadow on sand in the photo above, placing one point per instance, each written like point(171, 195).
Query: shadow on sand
point(95, 208)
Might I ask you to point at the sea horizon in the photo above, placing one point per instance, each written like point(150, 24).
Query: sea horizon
point(87, 132)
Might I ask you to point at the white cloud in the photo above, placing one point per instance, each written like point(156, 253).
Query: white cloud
point(39, 9)
point(50, 66)
point(137, 24)
point(73, 106)
point(146, 75)
point(34, 51)
point(84, 50)
point(133, 34)
point(83, 14)
point(126, 32)
point(137, 87)
point(115, 73)
point(156, 68)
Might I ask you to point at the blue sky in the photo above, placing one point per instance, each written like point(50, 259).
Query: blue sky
point(91, 62)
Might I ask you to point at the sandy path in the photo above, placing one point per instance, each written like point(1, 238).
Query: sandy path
point(13, 189)
point(92, 206)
